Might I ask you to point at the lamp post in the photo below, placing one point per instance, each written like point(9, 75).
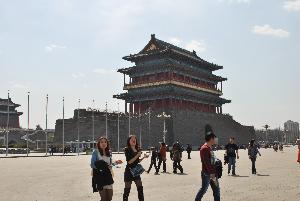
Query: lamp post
point(164, 116)
point(78, 123)
point(46, 125)
point(28, 93)
point(129, 123)
point(118, 128)
point(93, 123)
point(140, 128)
point(149, 124)
point(106, 120)
point(266, 127)
point(7, 123)
point(63, 126)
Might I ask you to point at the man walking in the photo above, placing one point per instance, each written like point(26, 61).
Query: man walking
point(176, 155)
point(189, 150)
point(154, 155)
point(232, 154)
point(208, 173)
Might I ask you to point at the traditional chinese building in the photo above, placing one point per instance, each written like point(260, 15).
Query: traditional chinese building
point(167, 78)
point(164, 78)
point(6, 104)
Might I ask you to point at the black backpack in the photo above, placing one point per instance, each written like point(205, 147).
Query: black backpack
point(219, 168)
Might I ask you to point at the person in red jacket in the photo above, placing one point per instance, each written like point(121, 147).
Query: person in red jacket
point(208, 173)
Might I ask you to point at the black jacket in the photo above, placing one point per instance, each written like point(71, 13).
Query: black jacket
point(101, 176)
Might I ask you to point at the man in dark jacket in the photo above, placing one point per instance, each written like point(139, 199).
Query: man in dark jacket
point(154, 156)
point(232, 154)
point(189, 150)
point(208, 173)
point(176, 155)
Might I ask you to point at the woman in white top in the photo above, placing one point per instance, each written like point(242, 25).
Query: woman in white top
point(102, 153)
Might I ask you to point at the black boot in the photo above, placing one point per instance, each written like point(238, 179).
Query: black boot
point(140, 190)
point(126, 194)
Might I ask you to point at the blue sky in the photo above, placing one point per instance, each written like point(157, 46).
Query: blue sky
point(72, 48)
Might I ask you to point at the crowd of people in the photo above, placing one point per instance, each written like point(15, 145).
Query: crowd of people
point(102, 163)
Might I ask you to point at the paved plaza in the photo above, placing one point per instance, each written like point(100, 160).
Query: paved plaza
point(68, 179)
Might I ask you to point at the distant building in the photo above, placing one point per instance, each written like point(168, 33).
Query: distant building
point(292, 131)
point(6, 104)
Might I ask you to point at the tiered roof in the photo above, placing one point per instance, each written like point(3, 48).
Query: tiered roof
point(157, 47)
point(4, 102)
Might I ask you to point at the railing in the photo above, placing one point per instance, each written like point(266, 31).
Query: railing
point(171, 79)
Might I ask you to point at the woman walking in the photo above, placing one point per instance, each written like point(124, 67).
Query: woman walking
point(252, 153)
point(101, 164)
point(133, 168)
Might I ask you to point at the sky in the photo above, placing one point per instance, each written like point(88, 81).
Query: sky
point(72, 49)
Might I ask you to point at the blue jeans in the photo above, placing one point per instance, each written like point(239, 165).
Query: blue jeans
point(206, 181)
point(231, 162)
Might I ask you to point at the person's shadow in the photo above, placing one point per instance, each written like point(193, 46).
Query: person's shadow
point(239, 176)
point(263, 175)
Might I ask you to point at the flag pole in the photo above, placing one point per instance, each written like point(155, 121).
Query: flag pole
point(78, 138)
point(118, 128)
point(46, 134)
point(63, 126)
point(28, 93)
point(7, 123)
point(106, 119)
point(93, 123)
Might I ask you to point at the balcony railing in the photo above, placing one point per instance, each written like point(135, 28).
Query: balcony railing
point(163, 79)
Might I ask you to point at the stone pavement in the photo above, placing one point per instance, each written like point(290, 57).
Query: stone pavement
point(68, 179)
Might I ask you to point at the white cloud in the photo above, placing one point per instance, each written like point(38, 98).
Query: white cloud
point(236, 1)
point(291, 5)
point(175, 41)
point(78, 75)
point(18, 85)
point(103, 71)
point(268, 30)
point(51, 47)
point(198, 46)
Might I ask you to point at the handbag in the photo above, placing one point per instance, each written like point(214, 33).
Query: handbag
point(137, 170)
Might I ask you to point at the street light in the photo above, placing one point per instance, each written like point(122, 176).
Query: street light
point(118, 128)
point(7, 125)
point(78, 122)
point(63, 126)
point(46, 125)
point(93, 123)
point(149, 124)
point(28, 93)
point(106, 119)
point(164, 116)
point(266, 127)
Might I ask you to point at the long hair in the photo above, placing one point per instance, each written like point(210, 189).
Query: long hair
point(107, 149)
point(128, 143)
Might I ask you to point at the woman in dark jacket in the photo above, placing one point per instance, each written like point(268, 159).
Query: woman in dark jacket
point(133, 153)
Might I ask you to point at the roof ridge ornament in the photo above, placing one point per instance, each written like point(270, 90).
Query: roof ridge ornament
point(152, 36)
